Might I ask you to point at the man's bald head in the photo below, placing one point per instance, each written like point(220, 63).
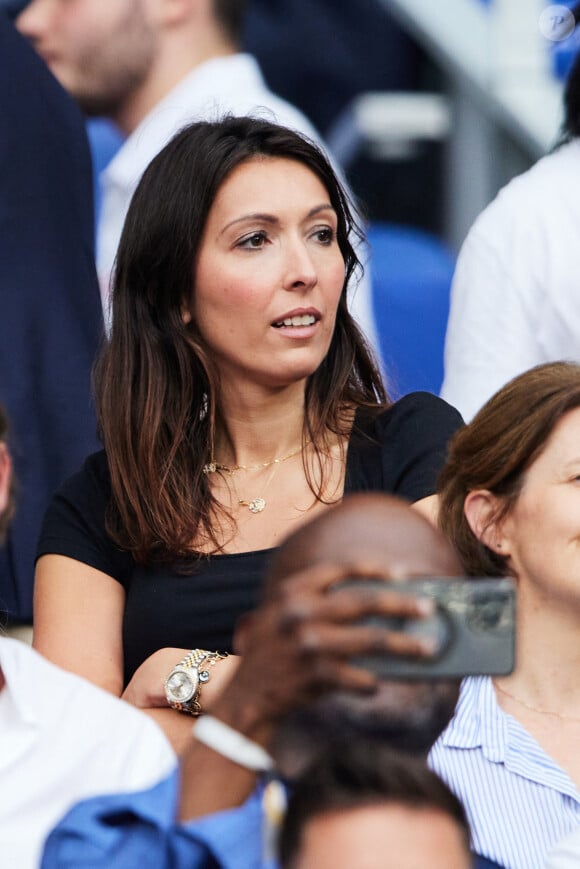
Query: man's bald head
point(381, 530)
point(387, 535)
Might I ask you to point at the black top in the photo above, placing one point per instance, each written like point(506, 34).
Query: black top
point(400, 451)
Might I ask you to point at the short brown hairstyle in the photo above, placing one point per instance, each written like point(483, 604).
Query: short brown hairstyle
point(494, 451)
point(350, 774)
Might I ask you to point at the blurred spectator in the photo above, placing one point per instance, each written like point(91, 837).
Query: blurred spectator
point(51, 318)
point(514, 298)
point(293, 41)
point(360, 804)
point(62, 739)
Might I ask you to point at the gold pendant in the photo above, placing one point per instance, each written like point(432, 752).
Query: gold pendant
point(256, 505)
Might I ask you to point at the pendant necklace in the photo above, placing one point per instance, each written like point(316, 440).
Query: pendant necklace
point(212, 466)
point(258, 504)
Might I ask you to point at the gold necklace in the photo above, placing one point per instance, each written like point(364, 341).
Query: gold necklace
point(212, 466)
point(257, 505)
point(537, 709)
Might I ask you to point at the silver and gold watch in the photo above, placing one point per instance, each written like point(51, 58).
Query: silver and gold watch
point(183, 685)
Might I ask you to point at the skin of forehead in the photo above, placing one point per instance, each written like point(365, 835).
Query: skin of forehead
point(372, 527)
point(383, 836)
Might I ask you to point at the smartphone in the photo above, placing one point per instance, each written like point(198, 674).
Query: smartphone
point(473, 627)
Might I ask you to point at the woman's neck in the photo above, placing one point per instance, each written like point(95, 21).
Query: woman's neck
point(548, 656)
point(254, 426)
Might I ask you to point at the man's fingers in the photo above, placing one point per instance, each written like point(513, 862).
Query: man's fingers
point(351, 605)
point(344, 642)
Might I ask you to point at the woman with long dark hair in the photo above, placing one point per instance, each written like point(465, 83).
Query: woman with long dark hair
point(236, 399)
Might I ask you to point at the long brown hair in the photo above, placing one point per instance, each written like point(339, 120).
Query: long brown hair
point(156, 386)
point(494, 451)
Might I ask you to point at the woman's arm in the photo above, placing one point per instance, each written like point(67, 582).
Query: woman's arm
point(429, 508)
point(78, 615)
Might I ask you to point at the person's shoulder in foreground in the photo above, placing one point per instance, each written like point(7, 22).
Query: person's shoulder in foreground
point(140, 829)
point(63, 740)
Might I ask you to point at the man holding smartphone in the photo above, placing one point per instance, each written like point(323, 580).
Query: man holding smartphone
point(296, 678)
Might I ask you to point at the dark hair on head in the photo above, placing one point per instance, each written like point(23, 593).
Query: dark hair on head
point(230, 16)
point(156, 387)
point(494, 451)
point(354, 774)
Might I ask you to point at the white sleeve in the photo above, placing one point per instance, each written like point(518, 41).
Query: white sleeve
point(495, 303)
point(566, 854)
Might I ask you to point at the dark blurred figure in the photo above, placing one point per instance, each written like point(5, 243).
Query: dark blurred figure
point(51, 313)
point(319, 54)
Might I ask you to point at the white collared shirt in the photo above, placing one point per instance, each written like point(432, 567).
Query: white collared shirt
point(231, 84)
point(518, 800)
point(514, 297)
point(63, 740)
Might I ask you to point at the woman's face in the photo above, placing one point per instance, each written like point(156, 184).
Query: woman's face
point(541, 534)
point(269, 274)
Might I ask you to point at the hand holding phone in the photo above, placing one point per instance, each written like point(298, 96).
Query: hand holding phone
point(472, 628)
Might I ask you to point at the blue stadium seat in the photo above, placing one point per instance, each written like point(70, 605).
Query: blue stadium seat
point(411, 277)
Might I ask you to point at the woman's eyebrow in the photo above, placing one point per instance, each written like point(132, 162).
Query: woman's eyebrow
point(270, 218)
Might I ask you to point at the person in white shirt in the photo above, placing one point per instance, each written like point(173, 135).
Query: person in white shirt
point(61, 738)
point(152, 66)
point(515, 299)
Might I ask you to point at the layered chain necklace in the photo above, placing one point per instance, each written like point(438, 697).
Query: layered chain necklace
point(258, 504)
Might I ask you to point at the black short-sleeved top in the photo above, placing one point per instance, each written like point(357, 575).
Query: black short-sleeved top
point(400, 451)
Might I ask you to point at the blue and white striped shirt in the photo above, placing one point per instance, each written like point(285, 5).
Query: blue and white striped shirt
point(518, 800)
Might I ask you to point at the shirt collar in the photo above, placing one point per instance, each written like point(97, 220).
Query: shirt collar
point(479, 722)
point(189, 100)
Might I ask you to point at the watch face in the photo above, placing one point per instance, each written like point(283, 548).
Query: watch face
point(181, 685)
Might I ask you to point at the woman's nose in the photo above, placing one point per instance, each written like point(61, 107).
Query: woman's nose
point(301, 272)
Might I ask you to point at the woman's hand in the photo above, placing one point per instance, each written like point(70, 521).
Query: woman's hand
point(300, 643)
point(146, 690)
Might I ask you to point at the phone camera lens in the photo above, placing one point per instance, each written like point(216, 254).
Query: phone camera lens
point(485, 611)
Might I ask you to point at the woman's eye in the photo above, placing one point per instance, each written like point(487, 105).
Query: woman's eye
point(324, 235)
point(253, 241)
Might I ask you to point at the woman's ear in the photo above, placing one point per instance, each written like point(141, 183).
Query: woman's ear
point(186, 314)
point(481, 508)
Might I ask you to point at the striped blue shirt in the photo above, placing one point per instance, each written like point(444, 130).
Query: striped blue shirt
point(518, 800)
